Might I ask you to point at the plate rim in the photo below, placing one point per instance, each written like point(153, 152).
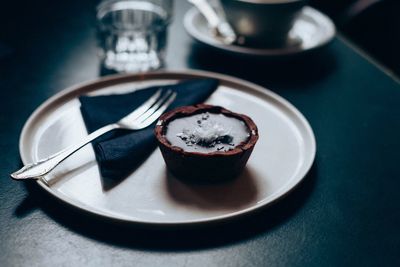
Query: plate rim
point(190, 29)
point(167, 74)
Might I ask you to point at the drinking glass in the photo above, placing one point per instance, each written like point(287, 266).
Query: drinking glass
point(132, 34)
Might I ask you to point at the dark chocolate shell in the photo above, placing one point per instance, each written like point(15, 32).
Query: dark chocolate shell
point(213, 166)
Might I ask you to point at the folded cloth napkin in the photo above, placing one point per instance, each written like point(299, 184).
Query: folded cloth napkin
point(120, 152)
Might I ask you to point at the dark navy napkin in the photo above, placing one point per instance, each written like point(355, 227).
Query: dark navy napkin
point(120, 152)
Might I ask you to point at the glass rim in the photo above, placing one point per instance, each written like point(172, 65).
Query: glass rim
point(117, 5)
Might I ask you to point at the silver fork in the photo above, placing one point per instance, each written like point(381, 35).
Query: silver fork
point(138, 119)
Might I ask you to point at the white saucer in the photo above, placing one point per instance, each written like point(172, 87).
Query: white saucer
point(281, 158)
point(312, 30)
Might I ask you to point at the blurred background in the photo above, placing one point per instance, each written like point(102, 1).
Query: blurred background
point(372, 25)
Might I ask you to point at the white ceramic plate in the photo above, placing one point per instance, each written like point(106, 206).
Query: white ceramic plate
point(312, 30)
point(281, 158)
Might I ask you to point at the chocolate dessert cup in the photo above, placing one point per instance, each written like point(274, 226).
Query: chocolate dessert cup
point(214, 166)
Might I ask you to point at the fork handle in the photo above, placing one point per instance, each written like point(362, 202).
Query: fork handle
point(44, 166)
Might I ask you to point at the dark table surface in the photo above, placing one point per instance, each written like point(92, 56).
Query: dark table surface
point(345, 213)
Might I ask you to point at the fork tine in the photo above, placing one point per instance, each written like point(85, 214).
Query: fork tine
point(144, 107)
point(156, 105)
point(150, 119)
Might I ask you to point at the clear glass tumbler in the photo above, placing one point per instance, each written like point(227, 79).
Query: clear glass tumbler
point(132, 34)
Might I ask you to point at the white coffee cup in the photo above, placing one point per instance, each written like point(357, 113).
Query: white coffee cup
point(262, 23)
